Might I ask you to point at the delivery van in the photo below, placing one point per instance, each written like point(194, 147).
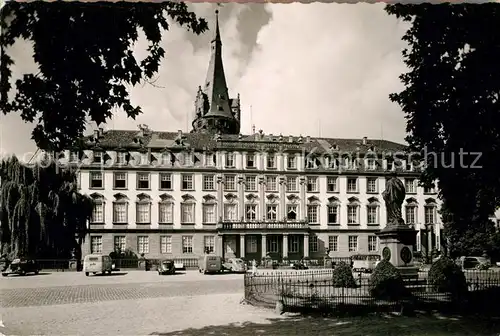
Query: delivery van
point(97, 263)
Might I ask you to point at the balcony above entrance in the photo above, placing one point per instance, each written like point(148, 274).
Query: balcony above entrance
point(299, 226)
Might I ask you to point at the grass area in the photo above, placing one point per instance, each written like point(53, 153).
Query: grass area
point(374, 325)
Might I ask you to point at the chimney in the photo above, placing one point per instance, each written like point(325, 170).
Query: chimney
point(253, 129)
point(308, 138)
point(290, 138)
point(101, 131)
point(96, 134)
point(281, 137)
point(365, 140)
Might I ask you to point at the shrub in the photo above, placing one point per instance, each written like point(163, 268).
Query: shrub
point(342, 276)
point(446, 276)
point(386, 282)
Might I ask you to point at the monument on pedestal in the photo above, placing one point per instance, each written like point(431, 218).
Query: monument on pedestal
point(397, 238)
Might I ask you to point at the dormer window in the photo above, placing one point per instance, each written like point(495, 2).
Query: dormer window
point(73, 157)
point(220, 108)
point(97, 157)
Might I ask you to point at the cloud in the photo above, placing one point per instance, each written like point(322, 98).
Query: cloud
point(300, 66)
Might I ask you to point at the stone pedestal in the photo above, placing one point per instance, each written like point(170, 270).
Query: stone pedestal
point(396, 244)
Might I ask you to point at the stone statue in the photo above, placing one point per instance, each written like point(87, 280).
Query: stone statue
point(394, 195)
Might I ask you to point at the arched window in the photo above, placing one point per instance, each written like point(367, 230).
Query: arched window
point(251, 208)
point(143, 209)
point(272, 207)
point(292, 208)
point(166, 209)
point(98, 208)
point(333, 211)
point(188, 209)
point(313, 210)
point(430, 209)
point(209, 209)
point(120, 209)
point(411, 212)
point(353, 211)
point(373, 211)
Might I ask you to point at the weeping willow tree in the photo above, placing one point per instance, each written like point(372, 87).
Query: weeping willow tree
point(42, 213)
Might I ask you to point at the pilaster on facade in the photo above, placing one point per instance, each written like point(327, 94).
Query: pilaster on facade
point(242, 245)
point(263, 245)
point(282, 196)
point(285, 245)
point(241, 196)
point(220, 196)
point(262, 197)
point(303, 204)
point(306, 245)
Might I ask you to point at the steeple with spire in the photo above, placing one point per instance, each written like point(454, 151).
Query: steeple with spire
point(215, 111)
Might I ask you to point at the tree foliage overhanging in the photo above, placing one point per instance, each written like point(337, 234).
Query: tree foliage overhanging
point(42, 213)
point(451, 102)
point(85, 60)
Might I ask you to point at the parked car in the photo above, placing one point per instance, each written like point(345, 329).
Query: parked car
point(166, 267)
point(474, 262)
point(236, 265)
point(299, 265)
point(97, 263)
point(22, 266)
point(210, 263)
point(365, 263)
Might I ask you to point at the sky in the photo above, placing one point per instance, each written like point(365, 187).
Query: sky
point(300, 69)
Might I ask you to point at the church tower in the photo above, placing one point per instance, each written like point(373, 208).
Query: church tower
point(215, 112)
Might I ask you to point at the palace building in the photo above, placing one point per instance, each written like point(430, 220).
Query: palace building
point(179, 195)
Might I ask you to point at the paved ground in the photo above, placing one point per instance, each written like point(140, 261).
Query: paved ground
point(144, 303)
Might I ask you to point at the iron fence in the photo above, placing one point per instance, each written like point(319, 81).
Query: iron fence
point(313, 290)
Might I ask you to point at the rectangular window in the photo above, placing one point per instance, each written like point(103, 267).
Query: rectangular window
point(121, 158)
point(143, 213)
point(98, 213)
point(371, 185)
point(312, 184)
point(271, 183)
point(411, 214)
point(165, 181)
point(313, 243)
point(272, 244)
point(120, 243)
point(209, 213)
point(251, 212)
point(250, 161)
point(293, 244)
point(230, 160)
point(96, 244)
point(166, 210)
point(352, 214)
point(272, 212)
point(230, 212)
point(208, 182)
point(187, 182)
point(372, 243)
point(120, 180)
point(73, 157)
point(143, 244)
point(333, 214)
point(187, 244)
point(271, 161)
point(209, 244)
point(331, 184)
point(292, 212)
point(165, 244)
point(353, 243)
point(352, 184)
point(291, 184)
point(251, 244)
point(333, 243)
point(251, 183)
point(97, 157)
point(291, 162)
point(210, 159)
point(429, 215)
point(143, 181)
point(372, 213)
point(410, 185)
point(187, 213)
point(120, 213)
point(312, 214)
point(96, 180)
point(229, 182)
